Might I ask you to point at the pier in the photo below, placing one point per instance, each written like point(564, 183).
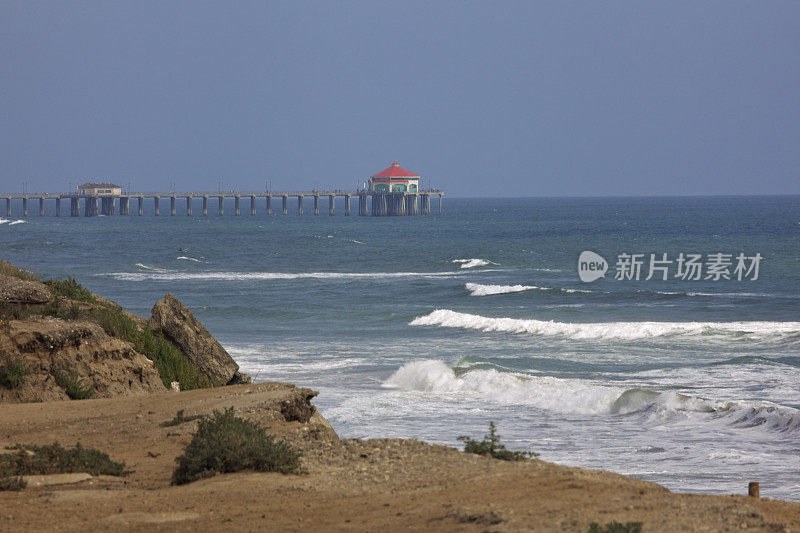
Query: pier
point(370, 203)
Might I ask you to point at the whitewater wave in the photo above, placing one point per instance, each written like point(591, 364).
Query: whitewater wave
point(472, 263)
point(605, 330)
point(185, 258)
point(166, 275)
point(152, 268)
point(575, 396)
point(477, 289)
point(11, 222)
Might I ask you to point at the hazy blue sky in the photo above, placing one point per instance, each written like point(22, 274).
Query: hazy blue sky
point(481, 98)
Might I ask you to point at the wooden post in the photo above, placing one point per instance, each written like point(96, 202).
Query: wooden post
point(331, 204)
point(205, 206)
point(347, 205)
point(188, 206)
point(41, 206)
point(155, 205)
point(74, 206)
point(752, 489)
point(58, 206)
point(172, 206)
point(141, 203)
point(24, 207)
point(285, 203)
point(221, 205)
point(269, 204)
point(440, 204)
point(252, 205)
point(236, 206)
point(299, 204)
point(316, 204)
point(8, 207)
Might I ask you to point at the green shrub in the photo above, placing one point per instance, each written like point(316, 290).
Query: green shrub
point(14, 372)
point(227, 443)
point(171, 363)
point(179, 419)
point(616, 527)
point(71, 384)
point(14, 311)
point(55, 459)
point(491, 446)
point(12, 483)
point(10, 270)
point(69, 288)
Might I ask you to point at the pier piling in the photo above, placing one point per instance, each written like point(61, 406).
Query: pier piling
point(58, 207)
point(285, 202)
point(155, 205)
point(41, 207)
point(347, 205)
point(8, 207)
point(141, 206)
point(74, 207)
point(252, 205)
point(300, 204)
point(316, 204)
point(221, 206)
point(125, 206)
point(269, 205)
point(205, 206)
point(236, 202)
point(188, 206)
point(331, 204)
point(172, 206)
point(24, 207)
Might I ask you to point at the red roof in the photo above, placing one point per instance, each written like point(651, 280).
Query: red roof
point(395, 171)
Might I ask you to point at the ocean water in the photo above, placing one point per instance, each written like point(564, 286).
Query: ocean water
point(430, 327)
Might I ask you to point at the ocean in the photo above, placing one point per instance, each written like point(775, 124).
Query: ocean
point(431, 327)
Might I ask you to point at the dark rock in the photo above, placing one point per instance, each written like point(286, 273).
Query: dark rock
point(15, 290)
point(240, 378)
point(181, 327)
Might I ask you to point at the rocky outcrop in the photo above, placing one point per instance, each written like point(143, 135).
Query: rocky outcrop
point(179, 325)
point(18, 291)
point(47, 346)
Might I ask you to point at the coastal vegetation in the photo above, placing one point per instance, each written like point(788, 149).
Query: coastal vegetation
point(492, 447)
point(13, 372)
point(227, 443)
point(71, 383)
point(28, 460)
point(616, 527)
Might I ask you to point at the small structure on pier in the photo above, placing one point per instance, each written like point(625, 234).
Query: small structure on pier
point(394, 179)
point(99, 189)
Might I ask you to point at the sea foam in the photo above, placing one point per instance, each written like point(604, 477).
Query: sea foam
point(477, 289)
point(604, 330)
point(472, 263)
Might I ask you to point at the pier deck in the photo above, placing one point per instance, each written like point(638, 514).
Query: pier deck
point(369, 203)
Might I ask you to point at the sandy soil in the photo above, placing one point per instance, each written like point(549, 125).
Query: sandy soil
point(351, 485)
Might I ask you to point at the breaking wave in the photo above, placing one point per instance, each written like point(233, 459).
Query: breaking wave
point(11, 222)
point(155, 274)
point(185, 258)
point(472, 263)
point(575, 396)
point(476, 289)
point(605, 330)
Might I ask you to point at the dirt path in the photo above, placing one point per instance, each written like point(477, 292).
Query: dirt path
point(382, 484)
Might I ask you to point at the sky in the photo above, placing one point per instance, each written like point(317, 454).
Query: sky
point(510, 98)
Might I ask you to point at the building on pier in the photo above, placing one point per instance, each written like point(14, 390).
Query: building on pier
point(99, 189)
point(394, 179)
